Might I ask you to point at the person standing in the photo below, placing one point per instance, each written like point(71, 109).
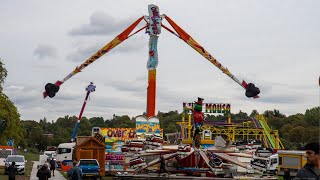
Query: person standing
point(286, 174)
point(197, 157)
point(75, 172)
point(197, 138)
point(12, 170)
point(162, 165)
point(44, 173)
point(311, 170)
point(52, 166)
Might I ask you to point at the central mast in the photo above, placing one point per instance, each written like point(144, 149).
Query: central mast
point(154, 29)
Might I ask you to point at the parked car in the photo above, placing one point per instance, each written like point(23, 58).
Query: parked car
point(90, 168)
point(20, 163)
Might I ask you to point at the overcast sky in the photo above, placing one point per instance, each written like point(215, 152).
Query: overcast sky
point(274, 44)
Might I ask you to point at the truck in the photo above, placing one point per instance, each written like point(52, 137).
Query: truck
point(90, 168)
point(65, 153)
point(5, 151)
point(291, 160)
point(266, 165)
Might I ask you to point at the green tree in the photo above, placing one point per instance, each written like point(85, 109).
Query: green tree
point(296, 120)
point(312, 116)
point(168, 121)
point(254, 113)
point(9, 114)
point(275, 122)
point(33, 132)
point(84, 127)
point(284, 131)
point(311, 135)
point(296, 135)
point(268, 113)
point(3, 74)
point(278, 114)
point(97, 122)
point(241, 115)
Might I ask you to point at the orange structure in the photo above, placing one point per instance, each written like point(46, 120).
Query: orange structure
point(151, 99)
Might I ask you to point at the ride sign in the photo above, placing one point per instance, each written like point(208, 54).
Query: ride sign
point(118, 133)
point(212, 108)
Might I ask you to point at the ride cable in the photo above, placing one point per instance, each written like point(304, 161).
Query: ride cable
point(90, 88)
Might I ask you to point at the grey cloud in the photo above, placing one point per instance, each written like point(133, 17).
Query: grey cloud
point(142, 78)
point(101, 24)
point(86, 50)
point(20, 94)
point(45, 51)
point(83, 53)
point(116, 102)
point(129, 86)
point(276, 95)
point(281, 99)
point(63, 96)
point(132, 45)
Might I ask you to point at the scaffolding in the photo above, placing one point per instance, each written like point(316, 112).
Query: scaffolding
point(246, 130)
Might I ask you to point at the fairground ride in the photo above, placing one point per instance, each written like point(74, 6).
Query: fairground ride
point(254, 128)
point(153, 29)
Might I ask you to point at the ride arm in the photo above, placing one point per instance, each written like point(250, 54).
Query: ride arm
point(51, 89)
point(75, 130)
point(251, 91)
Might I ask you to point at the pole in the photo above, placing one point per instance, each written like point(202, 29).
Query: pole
point(151, 99)
point(189, 126)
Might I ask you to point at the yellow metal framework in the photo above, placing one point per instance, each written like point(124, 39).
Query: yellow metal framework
point(246, 131)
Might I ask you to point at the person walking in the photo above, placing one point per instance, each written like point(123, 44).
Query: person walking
point(12, 170)
point(44, 173)
point(311, 170)
point(75, 172)
point(52, 166)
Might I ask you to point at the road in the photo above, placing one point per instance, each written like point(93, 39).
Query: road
point(34, 171)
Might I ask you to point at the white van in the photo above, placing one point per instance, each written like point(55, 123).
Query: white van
point(20, 163)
